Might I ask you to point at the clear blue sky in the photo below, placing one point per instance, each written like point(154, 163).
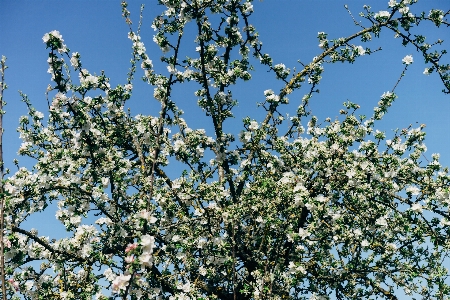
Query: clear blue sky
point(288, 30)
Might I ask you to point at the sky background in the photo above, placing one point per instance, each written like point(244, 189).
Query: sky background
point(288, 30)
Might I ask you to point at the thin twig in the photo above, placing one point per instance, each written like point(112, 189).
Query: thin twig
point(400, 78)
point(2, 198)
point(353, 18)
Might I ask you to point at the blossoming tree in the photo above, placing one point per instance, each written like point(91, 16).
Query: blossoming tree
point(287, 209)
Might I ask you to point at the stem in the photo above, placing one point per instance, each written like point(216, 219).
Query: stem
point(2, 198)
point(162, 116)
point(47, 246)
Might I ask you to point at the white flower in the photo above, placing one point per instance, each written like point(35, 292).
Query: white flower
point(147, 64)
point(445, 222)
point(300, 187)
point(301, 269)
point(199, 151)
point(133, 37)
point(129, 259)
point(74, 60)
point(186, 287)
point(303, 233)
point(147, 216)
point(146, 260)
point(298, 200)
point(288, 177)
point(294, 269)
point(46, 37)
point(436, 15)
point(121, 282)
point(248, 7)
point(365, 243)
point(407, 60)
point(321, 198)
point(268, 92)
point(323, 43)
point(212, 205)
point(404, 10)
point(414, 190)
point(10, 188)
point(392, 3)
point(253, 125)
point(54, 33)
point(280, 67)
point(386, 95)
point(99, 296)
point(148, 242)
point(391, 247)
point(202, 271)
point(176, 184)
point(86, 78)
point(39, 115)
point(104, 220)
point(105, 182)
point(29, 285)
point(426, 71)
point(381, 221)
point(317, 297)
point(310, 206)
point(361, 50)
point(75, 220)
point(201, 243)
point(198, 213)
point(350, 173)
point(270, 96)
point(177, 145)
point(171, 69)
point(416, 207)
point(382, 14)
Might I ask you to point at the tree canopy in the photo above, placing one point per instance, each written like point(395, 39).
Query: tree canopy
point(290, 207)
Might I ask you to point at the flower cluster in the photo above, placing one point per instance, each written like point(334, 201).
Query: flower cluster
point(382, 15)
point(54, 39)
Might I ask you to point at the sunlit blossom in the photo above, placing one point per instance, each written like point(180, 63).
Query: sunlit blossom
point(407, 60)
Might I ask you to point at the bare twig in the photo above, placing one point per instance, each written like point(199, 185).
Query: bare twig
point(2, 198)
point(400, 78)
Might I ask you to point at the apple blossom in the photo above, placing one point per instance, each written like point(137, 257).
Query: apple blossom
point(407, 60)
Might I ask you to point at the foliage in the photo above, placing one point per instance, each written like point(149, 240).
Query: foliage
point(322, 209)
